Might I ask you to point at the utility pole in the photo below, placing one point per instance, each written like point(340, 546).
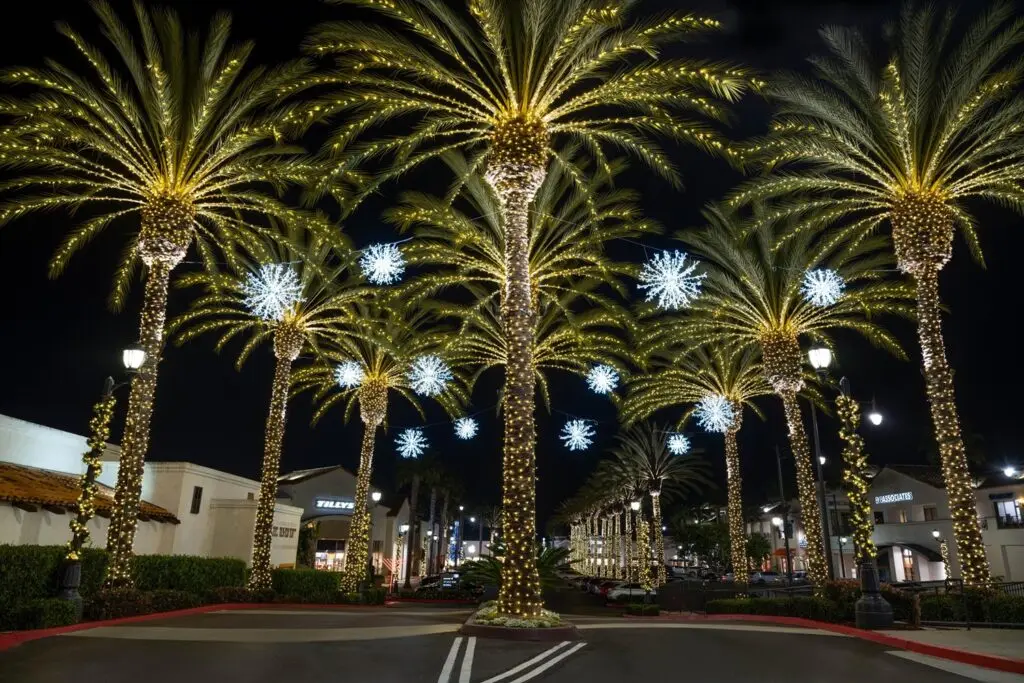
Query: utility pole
point(785, 516)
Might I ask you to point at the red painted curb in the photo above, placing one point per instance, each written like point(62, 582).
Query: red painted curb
point(955, 654)
point(397, 601)
point(13, 638)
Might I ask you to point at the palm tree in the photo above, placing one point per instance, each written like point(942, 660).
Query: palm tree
point(431, 476)
point(175, 130)
point(703, 375)
point(506, 84)
point(643, 450)
point(754, 299)
point(361, 366)
point(409, 472)
point(908, 141)
point(289, 292)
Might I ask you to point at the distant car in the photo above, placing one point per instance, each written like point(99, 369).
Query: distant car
point(629, 591)
point(800, 577)
point(605, 586)
point(765, 578)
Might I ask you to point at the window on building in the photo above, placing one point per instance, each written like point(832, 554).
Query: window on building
point(879, 516)
point(1008, 514)
point(844, 524)
point(929, 513)
point(908, 565)
point(250, 496)
point(903, 516)
point(197, 499)
point(377, 546)
point(833, 521)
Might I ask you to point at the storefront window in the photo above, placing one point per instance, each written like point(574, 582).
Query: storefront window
point(1008, 514)
point(908, 565)
point(929, 513)
point(330, 555)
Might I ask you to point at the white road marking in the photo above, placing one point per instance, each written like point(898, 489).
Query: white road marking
point(975, 673)
point(547, 665)
point(449, 664)
point(528, 663)
point(467, 660)
point(715, 627)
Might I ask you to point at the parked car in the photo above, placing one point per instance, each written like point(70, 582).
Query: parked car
point(629, 591)
point(605, 586)
point(765, 578)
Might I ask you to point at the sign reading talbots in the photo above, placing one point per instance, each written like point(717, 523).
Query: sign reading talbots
point(339, 505)
point(894, 497)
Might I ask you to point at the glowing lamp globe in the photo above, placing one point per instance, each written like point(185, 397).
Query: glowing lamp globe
point(375, 496)
point(822, 459)
point(777, 521)
point(133, 357)
point(403, 528)
point(875, 417)
point(1010, 471)
point(635, 505)
point(820, 357)
point(472, 520)
point(935, 533)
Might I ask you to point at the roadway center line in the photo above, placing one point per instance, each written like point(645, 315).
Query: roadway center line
point(528, 663)
point(548, 664)
point(467, 660)
point(449, 664)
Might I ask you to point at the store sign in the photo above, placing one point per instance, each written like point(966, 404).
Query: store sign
point(283, 531)
point(339, 505)
point(894, 497)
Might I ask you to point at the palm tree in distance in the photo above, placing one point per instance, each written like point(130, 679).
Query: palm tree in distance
point(506, 83)
point(175, 131)
point(291, 292)
point(907, 142)
point(698, 379)
point(643, 450)
point(383, 351)
point(755, 298)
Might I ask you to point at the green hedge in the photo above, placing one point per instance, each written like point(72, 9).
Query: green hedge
point(234, 594)
point(821, 609)
point(45, 613)
point(642, 610)
point(306, 585)
point(189, 573)
point(976, 606)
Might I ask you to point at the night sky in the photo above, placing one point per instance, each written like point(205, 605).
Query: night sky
point(58, 340)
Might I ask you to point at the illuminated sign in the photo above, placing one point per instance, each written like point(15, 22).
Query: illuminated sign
point(342, 505)
point(894, 497)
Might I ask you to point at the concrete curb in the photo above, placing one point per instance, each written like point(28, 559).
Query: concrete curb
point(14, 638)
point(984, 660)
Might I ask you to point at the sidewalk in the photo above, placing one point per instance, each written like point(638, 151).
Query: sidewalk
point(1000, 642)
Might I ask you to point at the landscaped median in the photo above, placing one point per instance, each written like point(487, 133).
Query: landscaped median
point(488, 622)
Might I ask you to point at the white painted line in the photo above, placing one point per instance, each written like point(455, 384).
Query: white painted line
point(449, 664)
point(528, 663)
point(548, 664)
point(467, 660)
point(975, 673)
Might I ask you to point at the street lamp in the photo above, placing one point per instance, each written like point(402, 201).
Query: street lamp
point(375, 496)
point(820, 358)
point(635, 505)
point(842, 561)
point(1010, 471)
point(777, 521)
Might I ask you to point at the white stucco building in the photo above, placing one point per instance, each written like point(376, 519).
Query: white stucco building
point(188, 509)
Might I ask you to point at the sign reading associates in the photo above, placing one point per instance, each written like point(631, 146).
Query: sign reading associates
point(894, 497)
point(337, 506)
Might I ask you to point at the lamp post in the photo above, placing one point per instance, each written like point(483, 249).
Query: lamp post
point(820, 358)
point(132, 358)
point(460, 534)
point(400, 553)
point(943, 551)
point(783, 522)
point(842, 562)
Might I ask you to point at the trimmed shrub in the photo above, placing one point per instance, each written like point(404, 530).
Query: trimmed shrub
point(189, 573)
point(438, 595)
point(306, 585)
point(116, 603)
point(234, 594)
point(820, 609)
point(169, 600)
point(46, 613)
point(642, 610)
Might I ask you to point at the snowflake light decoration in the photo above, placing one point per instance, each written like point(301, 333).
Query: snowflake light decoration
point(382, 264)
point(411, 443)
point(669, 279)
point(428, 375)
point(271, 291)
point(678, 444)
point(714, 413)
point(578, 435)
point(602, 379)
point(823, 287)
point(465, 428)
point(349, 374)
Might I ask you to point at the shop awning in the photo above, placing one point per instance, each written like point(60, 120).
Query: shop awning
point(931, 555)
point(32, 487)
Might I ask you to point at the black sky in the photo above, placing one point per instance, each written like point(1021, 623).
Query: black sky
point(58, 340)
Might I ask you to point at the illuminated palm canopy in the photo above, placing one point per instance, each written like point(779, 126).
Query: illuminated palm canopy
point(165, 125)
point(642, 450)
point(324, 302)
point(515, 79)
point(933, 123)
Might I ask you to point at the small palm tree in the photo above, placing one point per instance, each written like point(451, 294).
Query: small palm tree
point(291, 292)
point(174, 131)
point(755, 298)
point(643, 450)
point(384, 350)
point(700, 376)
point(506, 83)
point(908, 142)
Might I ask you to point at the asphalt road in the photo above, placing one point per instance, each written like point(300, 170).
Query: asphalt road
point(411, 645)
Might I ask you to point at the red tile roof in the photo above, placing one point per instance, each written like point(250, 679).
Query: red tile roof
point(35, 486)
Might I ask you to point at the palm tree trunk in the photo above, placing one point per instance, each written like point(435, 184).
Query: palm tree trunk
point(643, 552)
point(442, 541)
point(287, 343)
point(520, 587)
point(357, 550)
point(810, 516)
point(85, 508)
point(627, 545)
point(134, 444)
point(413, 529)
point(938, 376)
point(734, 482)
point(659, 536)
point(432, 538)
point(615, 538)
